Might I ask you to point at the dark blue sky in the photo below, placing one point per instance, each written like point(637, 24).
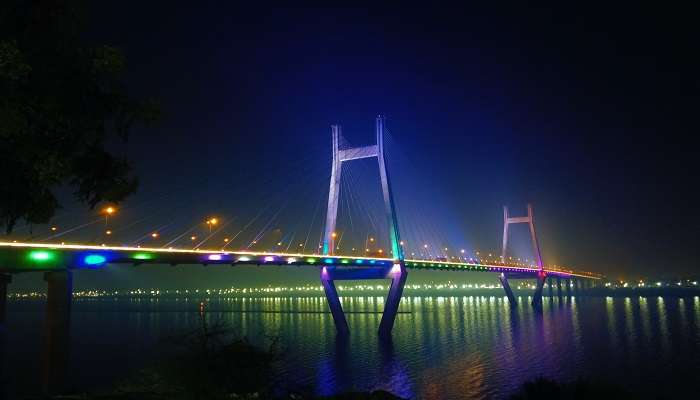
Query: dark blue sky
point(586, 112)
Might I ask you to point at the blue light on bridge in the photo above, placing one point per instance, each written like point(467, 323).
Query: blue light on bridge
point(328, 261)
point(358, 261)
point(94, 259)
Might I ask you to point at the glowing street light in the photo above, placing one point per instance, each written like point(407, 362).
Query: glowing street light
point(193, 237)
point(154, 235)
point(108, 232)
point(108, 211)
point(54, 229)
point(211, 222)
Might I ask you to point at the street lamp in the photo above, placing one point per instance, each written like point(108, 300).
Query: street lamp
point(211, 222)
point(108, 211)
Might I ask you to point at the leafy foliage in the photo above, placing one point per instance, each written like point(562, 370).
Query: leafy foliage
point(61, 100)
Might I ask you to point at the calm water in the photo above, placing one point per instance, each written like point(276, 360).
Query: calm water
point(443, 347)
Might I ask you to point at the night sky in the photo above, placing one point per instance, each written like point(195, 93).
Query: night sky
point(587, 113)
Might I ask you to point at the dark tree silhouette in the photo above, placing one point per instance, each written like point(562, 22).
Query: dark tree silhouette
point(61, 100)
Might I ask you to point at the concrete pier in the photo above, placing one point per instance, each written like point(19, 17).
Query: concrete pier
point(391, 306)
point(537, 296)
point(506, 287)
point(57, 331)
point(559, 287)
point(5, 280)
point(341, 324)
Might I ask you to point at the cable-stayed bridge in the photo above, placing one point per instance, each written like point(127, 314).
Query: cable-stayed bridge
point(58, 259)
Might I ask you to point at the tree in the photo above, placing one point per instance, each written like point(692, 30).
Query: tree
point(61, 101)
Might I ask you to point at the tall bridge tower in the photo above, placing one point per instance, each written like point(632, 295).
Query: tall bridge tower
point(397, 273)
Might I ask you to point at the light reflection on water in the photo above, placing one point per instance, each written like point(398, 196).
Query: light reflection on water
point(442, 348)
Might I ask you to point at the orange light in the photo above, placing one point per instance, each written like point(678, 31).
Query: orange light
point(108, 232)
point(334, 234)
point(226, 240)
point(53, 228)
point(193, 237)
point(110, 210)
point(154, 235)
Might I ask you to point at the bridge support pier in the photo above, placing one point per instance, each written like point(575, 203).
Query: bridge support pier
point(568, 287)
point(397, 274)
point(393, 298)
point(341, 324)
point(5, 280)
point(506, 286)
point(537, 296)
point(57, 341)
point(559, 287)
point(550, 287)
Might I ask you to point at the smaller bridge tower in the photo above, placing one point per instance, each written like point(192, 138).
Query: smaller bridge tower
point(541, 275)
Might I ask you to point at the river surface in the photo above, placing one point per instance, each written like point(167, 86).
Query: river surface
point(443, 347)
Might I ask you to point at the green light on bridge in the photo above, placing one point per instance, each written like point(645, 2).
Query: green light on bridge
point(143, 256)
point(41, 256)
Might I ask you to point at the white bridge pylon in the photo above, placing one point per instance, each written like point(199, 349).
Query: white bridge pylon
point(541, 275)
point(397, 271)
point(357, 153)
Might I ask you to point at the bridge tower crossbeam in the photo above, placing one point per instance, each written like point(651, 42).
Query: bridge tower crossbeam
point(397, 272)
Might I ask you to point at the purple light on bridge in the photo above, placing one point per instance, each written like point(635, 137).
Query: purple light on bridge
point(396, 269)
point(214, 257)
point(269, 259)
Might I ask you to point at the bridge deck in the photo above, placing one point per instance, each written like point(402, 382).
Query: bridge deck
point(26, 257)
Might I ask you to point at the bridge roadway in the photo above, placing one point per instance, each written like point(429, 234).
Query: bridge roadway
point(27, 257)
